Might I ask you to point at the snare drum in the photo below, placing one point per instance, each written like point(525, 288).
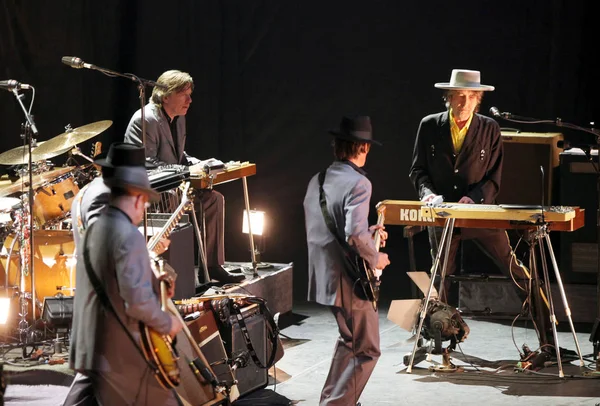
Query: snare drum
point(52, 201)
point(54, 264)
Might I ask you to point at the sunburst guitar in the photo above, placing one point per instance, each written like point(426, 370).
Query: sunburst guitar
point(159, 349)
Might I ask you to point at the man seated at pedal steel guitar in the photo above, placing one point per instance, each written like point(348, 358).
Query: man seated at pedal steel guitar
point(165, 143)
point(458, 156)
point(92, 200)
point(347, 193)
point(104, 347)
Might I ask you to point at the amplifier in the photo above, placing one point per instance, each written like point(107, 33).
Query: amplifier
point(579, 249)
point(250, 377)
point(57, 311)
point(524, 153)
point(225, 343)
point(158, 220)
point(180, 256)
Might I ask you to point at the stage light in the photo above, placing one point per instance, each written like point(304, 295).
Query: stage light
point(4, 309)
point(256, 227)
point(257, 222)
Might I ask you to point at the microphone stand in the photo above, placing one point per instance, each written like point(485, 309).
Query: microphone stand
point(141, 85)
point(595, 335)
point(30, 130)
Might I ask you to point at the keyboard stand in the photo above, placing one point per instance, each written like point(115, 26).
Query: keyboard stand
point(444, 245)
point(541, 235)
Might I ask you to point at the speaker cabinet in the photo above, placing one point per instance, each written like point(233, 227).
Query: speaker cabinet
point(579, 249)
point(180, 256)
point(206, 333)
point(524, 154)
point(250, 377)
point(221, 342)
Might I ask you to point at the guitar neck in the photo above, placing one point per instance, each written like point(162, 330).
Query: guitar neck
point(380, 220)
point(165, 231)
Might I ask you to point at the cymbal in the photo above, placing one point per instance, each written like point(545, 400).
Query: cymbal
point(37, 180)
point(73, 137)
point(20, 155)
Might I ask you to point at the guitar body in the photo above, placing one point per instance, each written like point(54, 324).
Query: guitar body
point(159, 349)
point(368, 282)
point(368, 279)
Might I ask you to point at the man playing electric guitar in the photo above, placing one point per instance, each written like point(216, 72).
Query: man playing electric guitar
point(116, 289)
point(336, 210)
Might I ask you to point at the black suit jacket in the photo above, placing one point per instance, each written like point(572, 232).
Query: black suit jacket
point(474, 172)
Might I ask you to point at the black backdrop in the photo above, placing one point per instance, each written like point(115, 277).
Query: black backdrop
point(272, 76)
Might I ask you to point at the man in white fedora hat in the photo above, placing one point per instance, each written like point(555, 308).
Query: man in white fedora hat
point(457, 157)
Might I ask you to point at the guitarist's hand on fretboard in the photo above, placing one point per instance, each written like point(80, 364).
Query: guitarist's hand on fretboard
point(176, 325)
point(162, 245)
point(383, 235)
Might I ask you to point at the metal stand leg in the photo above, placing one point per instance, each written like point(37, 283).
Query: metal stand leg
point(201, 251)
point(444, 267)
point(535, 299)
point(446, 239)
point(250, 235)
point(564, 298)
point(551, 303)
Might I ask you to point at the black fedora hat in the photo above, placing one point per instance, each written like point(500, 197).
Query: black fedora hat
point(132, 177)
point(357, 129)
point(123, 154)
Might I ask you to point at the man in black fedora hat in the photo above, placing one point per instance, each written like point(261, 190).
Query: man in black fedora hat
point(89, 204)
point(117, 201)
point(346, 194)
point(457, 157)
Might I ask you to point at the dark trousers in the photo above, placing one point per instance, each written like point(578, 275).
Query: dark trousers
point(495, 244)
point(356, 350)
point(210, 206)
point(81, 392)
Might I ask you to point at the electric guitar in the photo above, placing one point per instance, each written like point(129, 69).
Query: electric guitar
point(159, 348)
point(369, 276)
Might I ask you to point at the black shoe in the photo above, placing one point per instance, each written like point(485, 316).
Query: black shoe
point(220, 274)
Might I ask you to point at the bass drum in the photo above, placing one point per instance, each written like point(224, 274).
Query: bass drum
point(54, 265)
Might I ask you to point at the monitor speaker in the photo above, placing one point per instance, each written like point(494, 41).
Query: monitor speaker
point(524, 154)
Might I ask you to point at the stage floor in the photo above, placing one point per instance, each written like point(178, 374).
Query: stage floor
point(309, 337)
point(489, 348)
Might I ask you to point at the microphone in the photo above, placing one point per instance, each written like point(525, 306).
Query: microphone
point(497, 113)
point(11, 85)
point(75, 62)
point(241, 361)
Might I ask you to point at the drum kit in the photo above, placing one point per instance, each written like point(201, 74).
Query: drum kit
point(50, 271)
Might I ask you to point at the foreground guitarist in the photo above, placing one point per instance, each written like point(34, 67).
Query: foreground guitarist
point(104, 341)
point(347, 192)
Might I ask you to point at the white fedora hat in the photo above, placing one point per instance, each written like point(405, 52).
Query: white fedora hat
point(463, 79)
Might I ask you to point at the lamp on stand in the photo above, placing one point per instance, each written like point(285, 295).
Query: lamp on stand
point(256, 228)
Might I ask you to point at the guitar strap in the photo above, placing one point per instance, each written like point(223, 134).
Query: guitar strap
point(105, 300)
point(350, 254)
point(273, 332)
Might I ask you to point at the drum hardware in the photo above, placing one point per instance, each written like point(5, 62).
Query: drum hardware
point(23, 227)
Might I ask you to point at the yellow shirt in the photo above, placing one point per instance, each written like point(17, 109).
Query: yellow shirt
point(458, 135)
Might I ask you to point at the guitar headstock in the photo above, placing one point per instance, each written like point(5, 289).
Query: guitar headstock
point(96, 149)
point(187, 193)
